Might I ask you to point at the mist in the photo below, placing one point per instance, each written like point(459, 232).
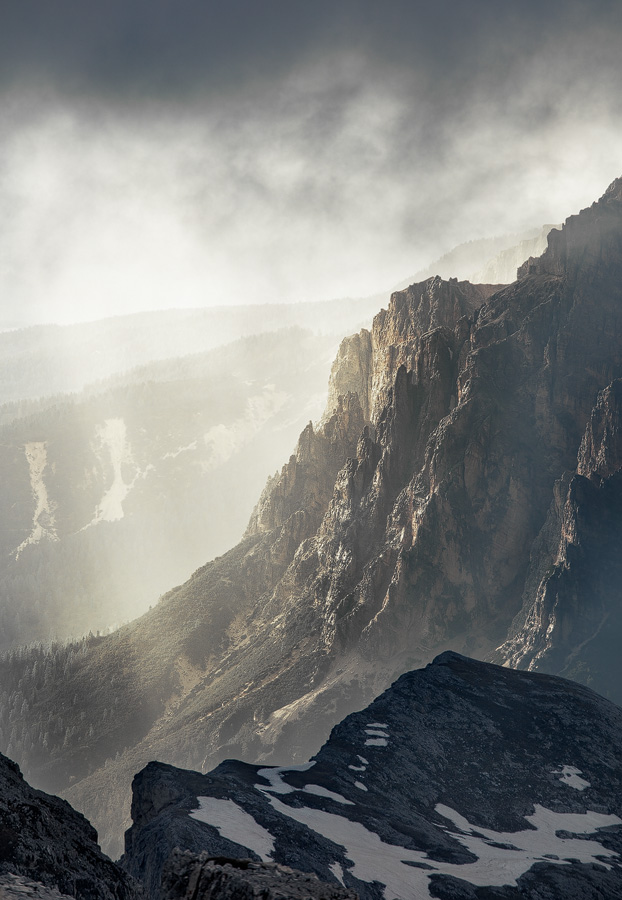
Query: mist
point(334, 172)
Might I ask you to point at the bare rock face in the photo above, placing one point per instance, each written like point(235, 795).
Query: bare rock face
point(191, 877)
point(462, 780)
point(351, 372)
point(305, 484)
point(571, 619)
point(49, 851)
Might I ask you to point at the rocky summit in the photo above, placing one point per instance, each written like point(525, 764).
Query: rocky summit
point(462, 780)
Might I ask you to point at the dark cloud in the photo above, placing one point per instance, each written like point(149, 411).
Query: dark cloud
point(177, 50)
point(177, 153)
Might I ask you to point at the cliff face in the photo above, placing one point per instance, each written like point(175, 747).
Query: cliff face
point(405, 525)
point(48, 849)
point(571, 619)
point(462, 780)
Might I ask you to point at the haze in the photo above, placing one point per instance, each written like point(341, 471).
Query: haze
point(159, 155)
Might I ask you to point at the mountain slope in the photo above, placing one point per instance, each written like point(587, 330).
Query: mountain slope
point(45, 845)
point(402, 527)
point(462, 776)
point(44, 360)
point(113, 496)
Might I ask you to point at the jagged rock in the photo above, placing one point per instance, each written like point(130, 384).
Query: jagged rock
point(504, 266)
point(190, 877)
point(463, 779)
point(16, 887)
point(48, 850)
point(571, 619)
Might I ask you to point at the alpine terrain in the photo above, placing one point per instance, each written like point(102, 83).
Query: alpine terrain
point(463, 780)
point(454, 497)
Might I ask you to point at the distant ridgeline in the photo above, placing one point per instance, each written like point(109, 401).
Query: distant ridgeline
point(462, 493)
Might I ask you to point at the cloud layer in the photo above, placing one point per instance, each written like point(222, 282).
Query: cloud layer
point(177, 154)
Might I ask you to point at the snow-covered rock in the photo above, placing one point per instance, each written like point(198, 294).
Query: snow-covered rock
point(488, 778)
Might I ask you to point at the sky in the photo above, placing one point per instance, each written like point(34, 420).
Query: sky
point(177, 153)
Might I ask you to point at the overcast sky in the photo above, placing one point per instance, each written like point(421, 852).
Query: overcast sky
point(158, 154)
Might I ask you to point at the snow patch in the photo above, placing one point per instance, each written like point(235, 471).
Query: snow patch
point(375, 860)
point(376, 742)
point(174, 453)
point(358, 768)
point(274, 775)
point(360, 785)
point(377, 725)
point(362, 759)
point(320, 791)
point(112, 436)
point(536, 844)
point(43, 523)
point(235, 824)
point(337, 870)
point(570, 775)
point(373, 733)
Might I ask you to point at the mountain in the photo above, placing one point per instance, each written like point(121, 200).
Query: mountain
point(487, 260)
point(43, 360)
point(198, 877)
point(48, 850)
point(462, 780)
point(405, 524)
point(505, 264)
point(571, 618)
point(112, 496)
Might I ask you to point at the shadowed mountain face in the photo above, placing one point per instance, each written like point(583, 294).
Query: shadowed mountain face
point(463, 780)
point(47, 849)
point(405, 525)
point(571, 619)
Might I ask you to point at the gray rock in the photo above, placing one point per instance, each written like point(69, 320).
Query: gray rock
point(191, 877)
point(48, 850)
point(463, 779)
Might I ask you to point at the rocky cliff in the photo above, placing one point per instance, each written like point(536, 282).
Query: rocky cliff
point(571, 619)
point(472, 404)
point(463, 780)
point(48, 849)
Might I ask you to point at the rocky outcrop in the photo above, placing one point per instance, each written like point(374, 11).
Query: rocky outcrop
point(190, 877)
point(47, 849)
point(463, 779)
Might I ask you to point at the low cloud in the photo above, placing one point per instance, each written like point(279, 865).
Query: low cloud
point(336, 172)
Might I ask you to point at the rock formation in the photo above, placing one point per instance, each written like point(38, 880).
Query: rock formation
point(571, 619)
point(47, 849)
point(190, 877)
point(462, 780)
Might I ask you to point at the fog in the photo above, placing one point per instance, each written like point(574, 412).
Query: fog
point(326, 160)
